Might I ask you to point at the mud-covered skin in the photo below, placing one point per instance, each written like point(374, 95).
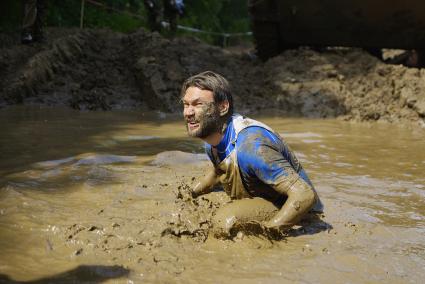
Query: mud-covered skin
point(206, 184)
point(245, 215)
point(201, 114)
point(301, 198)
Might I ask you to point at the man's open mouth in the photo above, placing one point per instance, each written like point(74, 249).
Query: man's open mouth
point(193, 125)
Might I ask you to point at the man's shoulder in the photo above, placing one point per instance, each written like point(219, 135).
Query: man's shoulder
point(256, 135)
point(251, 143)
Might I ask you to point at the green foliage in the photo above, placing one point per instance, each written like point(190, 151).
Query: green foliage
point(223, 16)
point(220, 16)
point(100, 18)
point(63, 13)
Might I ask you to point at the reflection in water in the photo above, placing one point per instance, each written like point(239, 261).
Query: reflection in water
point(79, 188)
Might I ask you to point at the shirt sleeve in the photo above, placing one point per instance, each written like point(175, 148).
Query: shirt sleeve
point(260, 155)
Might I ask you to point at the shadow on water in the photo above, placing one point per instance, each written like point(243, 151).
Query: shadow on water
point(310, 225)
point(80, 274)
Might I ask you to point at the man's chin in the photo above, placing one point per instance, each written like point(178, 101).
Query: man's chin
point(195, 134)
point(201, 130)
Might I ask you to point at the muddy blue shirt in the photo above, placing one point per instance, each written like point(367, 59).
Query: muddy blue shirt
point(263, 158)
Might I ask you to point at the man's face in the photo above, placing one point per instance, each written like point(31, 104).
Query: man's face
point(200, 113)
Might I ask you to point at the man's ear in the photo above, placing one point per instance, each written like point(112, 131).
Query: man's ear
point(223, 108)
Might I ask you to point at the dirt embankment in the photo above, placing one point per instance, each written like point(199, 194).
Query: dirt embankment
point(348, 83)
point(98, 69)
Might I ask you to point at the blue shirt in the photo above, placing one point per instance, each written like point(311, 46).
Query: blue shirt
point(263, 158)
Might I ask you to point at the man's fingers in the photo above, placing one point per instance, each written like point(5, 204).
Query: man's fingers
point(194, 194)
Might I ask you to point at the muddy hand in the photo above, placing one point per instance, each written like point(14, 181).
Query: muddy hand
point(269, 225)
point(206, 184)
point(260, 228)
point(194, 194)
point(256, 228)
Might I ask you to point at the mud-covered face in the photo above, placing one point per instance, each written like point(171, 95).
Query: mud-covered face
point(201, 113)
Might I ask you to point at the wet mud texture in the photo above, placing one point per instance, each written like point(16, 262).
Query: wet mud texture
point(152, 226)
point(88, 217)
point(100, 69)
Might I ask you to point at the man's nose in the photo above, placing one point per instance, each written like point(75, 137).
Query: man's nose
point(188, 110)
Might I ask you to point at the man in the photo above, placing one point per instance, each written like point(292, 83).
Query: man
point(171, 10)
point(154, 14)
point(33, 20)
point(250, 160)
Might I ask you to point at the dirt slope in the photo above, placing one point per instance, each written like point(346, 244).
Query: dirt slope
point(100, 69)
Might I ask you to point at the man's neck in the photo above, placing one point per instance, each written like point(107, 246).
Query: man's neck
point(215, 138)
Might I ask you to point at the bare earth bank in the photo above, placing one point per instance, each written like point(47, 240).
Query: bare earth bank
point(101, 69)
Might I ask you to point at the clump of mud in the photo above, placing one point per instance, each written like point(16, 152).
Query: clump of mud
point(101, 69)
point(192, 217)
point(347, 83)
point(211, 216)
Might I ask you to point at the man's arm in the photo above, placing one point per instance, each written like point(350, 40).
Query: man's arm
point(206, 184)
point(301, 198)
point(262, 156)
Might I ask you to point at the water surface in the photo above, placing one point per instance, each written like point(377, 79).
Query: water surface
point(68, 179)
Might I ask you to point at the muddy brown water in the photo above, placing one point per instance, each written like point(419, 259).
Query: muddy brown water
point(100, 197)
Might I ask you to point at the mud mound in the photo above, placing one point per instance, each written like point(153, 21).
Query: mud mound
point(192, 217)
point(348, 83)
point(80, 69)
point(100, 69)
point(162, 66)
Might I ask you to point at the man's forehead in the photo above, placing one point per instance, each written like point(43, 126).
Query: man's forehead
point(195, 93)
